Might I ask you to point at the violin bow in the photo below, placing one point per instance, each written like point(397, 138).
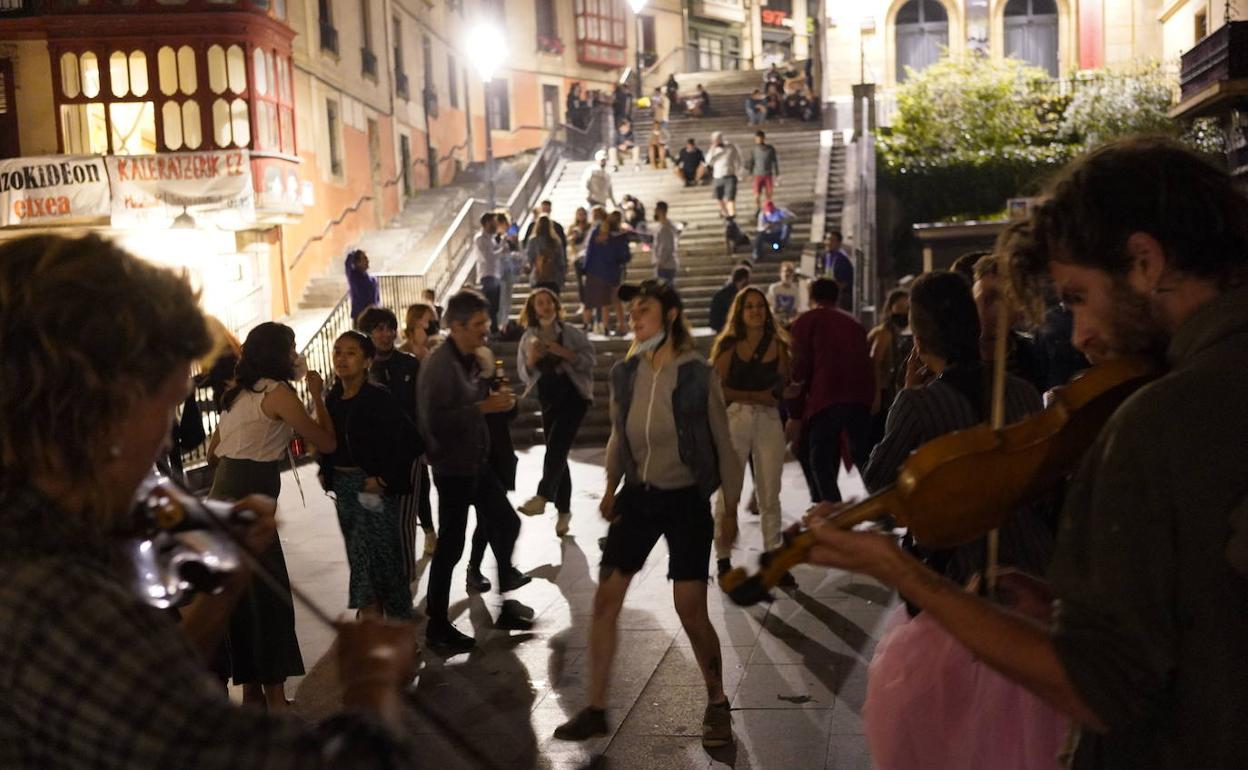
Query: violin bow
point(1000, 352)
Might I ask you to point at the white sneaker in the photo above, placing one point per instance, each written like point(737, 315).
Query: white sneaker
point(534, 506)
point(563, 524)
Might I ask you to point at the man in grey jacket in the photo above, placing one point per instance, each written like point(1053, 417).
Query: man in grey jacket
point(451, 404)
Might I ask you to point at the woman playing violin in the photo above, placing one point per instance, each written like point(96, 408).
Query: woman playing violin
point(918, 668)
point(1144, 649)
point(98, 347)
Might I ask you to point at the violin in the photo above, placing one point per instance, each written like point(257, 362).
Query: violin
point(188, 546)
point(962, 485)
point(179, 552)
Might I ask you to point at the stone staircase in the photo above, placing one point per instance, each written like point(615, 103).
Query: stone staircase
point(705, 262)
point(403, 244)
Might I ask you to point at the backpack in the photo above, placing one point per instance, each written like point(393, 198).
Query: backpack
point(734, 235)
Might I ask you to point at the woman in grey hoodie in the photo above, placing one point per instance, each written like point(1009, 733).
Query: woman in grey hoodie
point(671, 446)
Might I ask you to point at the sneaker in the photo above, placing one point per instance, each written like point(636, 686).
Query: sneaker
point(717, 725)
point(563, 524)
point(476, 581)
point(512, 580)
point(513, 619)
point(534, 506)
point(431, 542)
point(588, 723)
point(447, 637)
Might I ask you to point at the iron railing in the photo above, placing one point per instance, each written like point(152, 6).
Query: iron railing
point(439, 273)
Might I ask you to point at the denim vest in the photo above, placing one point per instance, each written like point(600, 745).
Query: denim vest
point(693, 427)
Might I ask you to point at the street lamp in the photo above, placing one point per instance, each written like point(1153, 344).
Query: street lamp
point(638, 6)
point(487, 47)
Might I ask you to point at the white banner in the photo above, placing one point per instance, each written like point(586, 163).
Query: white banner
point(52, 188)
point(186, 188)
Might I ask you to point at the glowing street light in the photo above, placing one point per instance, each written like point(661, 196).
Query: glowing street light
point(487, 48)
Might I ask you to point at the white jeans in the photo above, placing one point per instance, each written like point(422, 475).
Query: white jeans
point(756, 430)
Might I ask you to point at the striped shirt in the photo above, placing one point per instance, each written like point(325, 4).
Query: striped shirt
point(919, 415)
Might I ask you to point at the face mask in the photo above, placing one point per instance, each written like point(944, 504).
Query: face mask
point(900, 320)
point(652, 344)
point(301, 367)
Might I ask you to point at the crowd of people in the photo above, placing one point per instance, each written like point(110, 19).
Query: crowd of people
point(1134, 641)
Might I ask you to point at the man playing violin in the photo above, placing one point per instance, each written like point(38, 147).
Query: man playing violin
point(1144, 649)
point(97, 353)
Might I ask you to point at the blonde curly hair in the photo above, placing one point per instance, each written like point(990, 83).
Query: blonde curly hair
point(86, 329)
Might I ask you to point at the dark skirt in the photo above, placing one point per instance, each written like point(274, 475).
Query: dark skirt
point(599, 293)
point(261, 644)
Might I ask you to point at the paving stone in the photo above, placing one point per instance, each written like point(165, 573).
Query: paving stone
point(512, 692)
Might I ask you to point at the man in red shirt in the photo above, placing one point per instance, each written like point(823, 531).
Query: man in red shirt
point(832, 368)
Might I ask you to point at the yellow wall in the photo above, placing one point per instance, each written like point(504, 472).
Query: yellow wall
point(32, 80)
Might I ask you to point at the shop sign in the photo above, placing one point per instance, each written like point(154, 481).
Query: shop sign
point(773, 18)
point(183, 188)
point(48, 189)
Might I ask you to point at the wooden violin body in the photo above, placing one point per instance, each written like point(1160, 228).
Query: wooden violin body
point(958, 487)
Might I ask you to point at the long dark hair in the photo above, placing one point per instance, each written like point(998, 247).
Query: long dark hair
point(734, 330)
point(944, 317)
point(266, 355)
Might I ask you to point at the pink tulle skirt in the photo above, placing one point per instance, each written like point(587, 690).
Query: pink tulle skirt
point(932, 706)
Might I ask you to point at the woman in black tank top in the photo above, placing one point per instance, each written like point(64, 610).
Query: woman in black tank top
point(751, 357)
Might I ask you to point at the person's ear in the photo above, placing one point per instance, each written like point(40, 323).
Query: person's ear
point(1148, 262)
point(671, 315)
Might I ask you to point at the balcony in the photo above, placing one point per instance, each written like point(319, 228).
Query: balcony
point(329, 38)
point(730, 11)
point(400, 84)
point(1213, 75)
point(368, 63)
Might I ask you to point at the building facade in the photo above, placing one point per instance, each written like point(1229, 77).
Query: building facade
point(331, 113)
point(877, 41)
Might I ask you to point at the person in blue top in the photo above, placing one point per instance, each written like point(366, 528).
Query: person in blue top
point(363, 287)
point(606, 258)
point(773, 230)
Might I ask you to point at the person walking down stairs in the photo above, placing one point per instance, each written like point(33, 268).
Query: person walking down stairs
point(557, 359)
point(725, 162)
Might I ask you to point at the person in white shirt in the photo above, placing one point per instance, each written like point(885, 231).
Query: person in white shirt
point(488, 252)
point(786, 296)
point(663, 252)
point(597, 182)
point(725, 161)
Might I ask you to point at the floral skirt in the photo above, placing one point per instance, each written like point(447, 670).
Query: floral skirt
point(374, 549)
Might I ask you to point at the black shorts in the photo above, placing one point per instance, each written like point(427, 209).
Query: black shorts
point(725, 188)
point(643, 514)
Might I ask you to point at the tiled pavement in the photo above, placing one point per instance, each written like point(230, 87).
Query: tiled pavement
point(795, 669)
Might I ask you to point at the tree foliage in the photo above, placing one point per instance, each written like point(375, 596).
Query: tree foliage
point(970, 132)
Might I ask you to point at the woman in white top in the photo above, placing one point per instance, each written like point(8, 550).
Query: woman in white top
point(261, 413)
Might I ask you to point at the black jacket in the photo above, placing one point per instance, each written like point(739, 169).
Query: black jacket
point(457, 441)
point(378, 437)
point(398, 374)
